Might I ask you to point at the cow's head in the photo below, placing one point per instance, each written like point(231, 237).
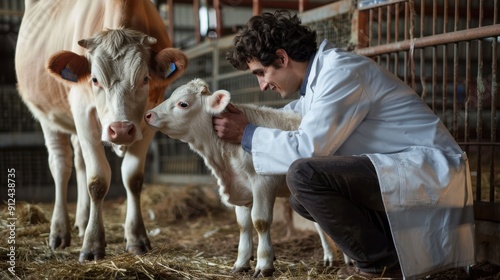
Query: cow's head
point(187, 112)
point(122, 70)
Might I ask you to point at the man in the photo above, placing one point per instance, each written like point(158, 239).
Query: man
point(370, 162)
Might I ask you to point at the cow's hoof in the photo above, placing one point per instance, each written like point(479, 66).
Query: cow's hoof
point(240, 269)
point(57, 241)
point(91, 256)
point(263, 273)
point(139, 249)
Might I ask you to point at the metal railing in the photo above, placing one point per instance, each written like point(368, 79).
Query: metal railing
point(448, 52)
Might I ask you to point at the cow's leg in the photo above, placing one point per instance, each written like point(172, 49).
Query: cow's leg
point(98, 172)
point(262, 218)
point(83, 199)
point(98, 181)
point(245, 245)
point(133, 177)
point(60, 164)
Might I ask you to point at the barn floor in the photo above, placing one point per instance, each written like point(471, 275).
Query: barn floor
point(193, 235)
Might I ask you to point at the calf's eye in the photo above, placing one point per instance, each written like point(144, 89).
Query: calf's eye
point(183, 104)
point(95, 81)
point(146, 80)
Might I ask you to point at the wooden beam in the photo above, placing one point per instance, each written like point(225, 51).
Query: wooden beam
point(256, 7)
point(280, 4)
point(218, 18)
point(170, 6)
point(302, 5)
point(196, 17)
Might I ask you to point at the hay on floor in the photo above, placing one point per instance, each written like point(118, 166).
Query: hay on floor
point(193, 237)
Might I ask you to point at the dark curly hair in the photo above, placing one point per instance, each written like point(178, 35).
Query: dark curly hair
point(263, 35)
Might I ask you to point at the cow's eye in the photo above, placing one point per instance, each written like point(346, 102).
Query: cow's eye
point(95, 82)
point(146, 80)
point(183, 104)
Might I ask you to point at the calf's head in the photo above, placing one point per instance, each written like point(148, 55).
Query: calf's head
point(122, 70)
point(187, 113)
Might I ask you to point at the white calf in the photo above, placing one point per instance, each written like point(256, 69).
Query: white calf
point(187, 116)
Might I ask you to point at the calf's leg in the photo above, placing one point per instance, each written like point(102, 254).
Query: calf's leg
point(262, 218)
point(328, 251)
point(245, 245)
point(60, 164)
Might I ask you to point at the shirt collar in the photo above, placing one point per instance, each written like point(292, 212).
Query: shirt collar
point(306, 77)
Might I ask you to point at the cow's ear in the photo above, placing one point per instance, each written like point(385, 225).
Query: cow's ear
point(67, 66)
point(218, 101)
point(169, 64)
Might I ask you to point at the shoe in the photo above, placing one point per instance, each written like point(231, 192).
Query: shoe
point(354, 273)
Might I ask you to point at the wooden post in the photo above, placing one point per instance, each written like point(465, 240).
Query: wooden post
point(170, 6)
point(218, 18)
point(257, 7)
point(196, 17)
point(302, 5)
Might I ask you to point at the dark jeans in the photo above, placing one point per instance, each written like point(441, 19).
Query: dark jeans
point(342, 195)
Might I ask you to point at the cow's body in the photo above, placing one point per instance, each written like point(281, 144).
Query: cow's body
point(187, 116)
point(102, 87)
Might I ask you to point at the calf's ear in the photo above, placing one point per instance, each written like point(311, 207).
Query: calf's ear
point(69, 67)
point(218, 101)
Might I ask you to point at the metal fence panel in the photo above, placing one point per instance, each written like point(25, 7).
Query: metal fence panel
point(448, 52)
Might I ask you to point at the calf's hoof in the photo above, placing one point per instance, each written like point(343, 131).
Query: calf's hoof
point(81, 230)
point(139, 249)
point(59, 241)
point(240, 269)
point(263, 273)
point(91, 256)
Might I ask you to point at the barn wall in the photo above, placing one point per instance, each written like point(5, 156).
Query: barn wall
point(446, 50)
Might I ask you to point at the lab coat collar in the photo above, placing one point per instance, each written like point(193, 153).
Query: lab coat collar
point(308, 71)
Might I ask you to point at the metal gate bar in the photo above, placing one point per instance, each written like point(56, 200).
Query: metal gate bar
point(448, 65)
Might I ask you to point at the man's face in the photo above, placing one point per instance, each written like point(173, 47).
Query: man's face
point(279, 78)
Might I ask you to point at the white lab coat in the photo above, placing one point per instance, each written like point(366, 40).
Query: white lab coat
point(352, 106)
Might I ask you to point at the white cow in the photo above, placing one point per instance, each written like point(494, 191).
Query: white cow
point(103, 85)
point(187, 116)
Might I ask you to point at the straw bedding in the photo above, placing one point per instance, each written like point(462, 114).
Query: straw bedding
point(193, 237)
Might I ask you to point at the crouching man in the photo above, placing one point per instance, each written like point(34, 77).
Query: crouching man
point(370, 162)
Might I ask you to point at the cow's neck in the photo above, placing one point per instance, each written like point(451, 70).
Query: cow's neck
point(118, 13)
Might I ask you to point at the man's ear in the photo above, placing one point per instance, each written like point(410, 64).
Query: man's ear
point(282, 57)
point(217, 102)
point(66, 66)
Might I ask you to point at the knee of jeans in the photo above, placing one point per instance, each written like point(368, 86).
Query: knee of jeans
point(295, 173)
point(299, 209)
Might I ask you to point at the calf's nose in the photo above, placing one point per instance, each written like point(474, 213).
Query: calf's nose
point(151, 118)
point(122, 132)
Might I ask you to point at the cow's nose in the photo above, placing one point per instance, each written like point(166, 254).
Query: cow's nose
point(122, 132)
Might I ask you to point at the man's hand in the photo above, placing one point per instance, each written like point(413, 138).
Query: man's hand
point(230, 124)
